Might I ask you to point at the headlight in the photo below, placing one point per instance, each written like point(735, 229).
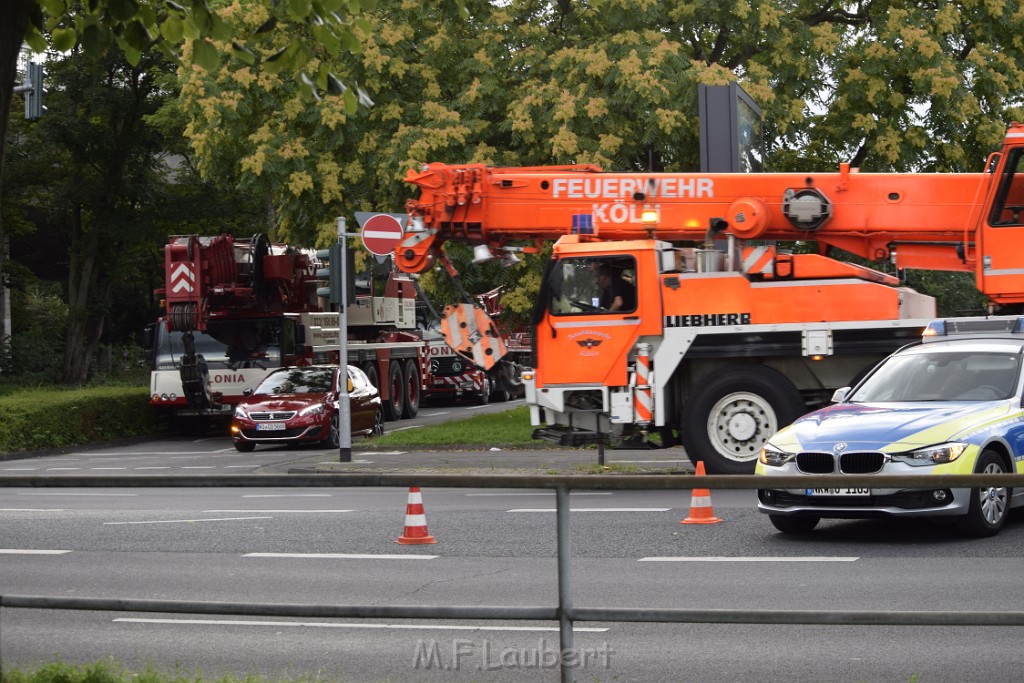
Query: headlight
point(314, 409)
point(240, 413)
point(932, 455)
point(773, 457)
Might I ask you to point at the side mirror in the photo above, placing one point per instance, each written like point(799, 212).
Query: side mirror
point(840, 394)
point(247, 391)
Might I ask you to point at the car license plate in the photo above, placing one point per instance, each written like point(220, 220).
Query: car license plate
point(838, 492)
point(270, 426)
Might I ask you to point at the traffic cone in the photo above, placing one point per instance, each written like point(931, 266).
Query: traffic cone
point(415, 521)
point(700, 504)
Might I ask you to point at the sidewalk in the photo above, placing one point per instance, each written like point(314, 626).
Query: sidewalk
point(505, 461)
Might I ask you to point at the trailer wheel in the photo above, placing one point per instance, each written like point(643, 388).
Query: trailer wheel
point(394, 405)
point(481, 397)
point(411, 376)
point(732, 416)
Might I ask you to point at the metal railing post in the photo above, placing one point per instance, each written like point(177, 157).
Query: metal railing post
point(565, 636)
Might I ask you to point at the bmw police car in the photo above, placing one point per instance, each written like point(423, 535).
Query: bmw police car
point(950, 404)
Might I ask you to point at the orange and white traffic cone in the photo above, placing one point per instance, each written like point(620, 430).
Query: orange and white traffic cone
point(415, 521)
point(700, 504)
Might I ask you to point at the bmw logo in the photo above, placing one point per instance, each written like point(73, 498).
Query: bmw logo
point(839, 447)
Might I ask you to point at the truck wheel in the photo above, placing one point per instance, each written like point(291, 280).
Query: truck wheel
point(396, 385)
point(481, 397)
point(732, 416)
point(411, 375)
point(371, 374)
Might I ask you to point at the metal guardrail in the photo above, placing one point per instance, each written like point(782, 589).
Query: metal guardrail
point(565, 613)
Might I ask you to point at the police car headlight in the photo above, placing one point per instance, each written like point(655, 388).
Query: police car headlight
point(932, 455)
point(773, 457)
point(314, 409)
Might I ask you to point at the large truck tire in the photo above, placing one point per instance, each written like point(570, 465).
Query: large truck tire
point(371, 373)
point(411, 377)
point(731, 417)
point(395, 403)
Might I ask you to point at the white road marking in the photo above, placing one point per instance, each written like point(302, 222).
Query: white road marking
point(342, 556)
point(402, 429)
point(20, 469)
point(268, 511)
point(154, 467)
point(21, 551)
point(593, 510)
point(108, 468)
point(185, 521)
point(237, 466)
point(31, 509)
point(287, 495)
point(62, 469)
point(537, 493)
point(198, 467)
point(307, 624)
point(62, 494)
point(749, 559)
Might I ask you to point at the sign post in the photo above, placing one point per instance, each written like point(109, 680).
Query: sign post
point(344, 408)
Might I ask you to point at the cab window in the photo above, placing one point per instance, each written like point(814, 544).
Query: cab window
point(1008, 207)
point(593, 286)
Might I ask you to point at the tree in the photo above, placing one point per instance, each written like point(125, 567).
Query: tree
point(139, 27)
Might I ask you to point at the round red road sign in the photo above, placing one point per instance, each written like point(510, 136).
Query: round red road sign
point(381, 234)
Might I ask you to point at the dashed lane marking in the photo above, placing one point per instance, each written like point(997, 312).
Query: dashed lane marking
point(309, 624)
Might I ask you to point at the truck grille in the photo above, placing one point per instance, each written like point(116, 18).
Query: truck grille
point(448, 366)
point(261, 417)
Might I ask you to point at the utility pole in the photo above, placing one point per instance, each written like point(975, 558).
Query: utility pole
point(344, 409)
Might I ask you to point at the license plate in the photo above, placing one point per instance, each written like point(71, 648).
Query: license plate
point(838, 492)
point(270, 426)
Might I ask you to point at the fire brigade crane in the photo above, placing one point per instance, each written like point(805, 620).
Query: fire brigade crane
point(729, 337)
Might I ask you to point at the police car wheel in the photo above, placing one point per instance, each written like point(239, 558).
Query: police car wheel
point(789, 524)
point(989, 504)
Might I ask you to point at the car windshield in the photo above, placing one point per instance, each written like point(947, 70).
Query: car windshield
point(310, 380)
point(942, 376)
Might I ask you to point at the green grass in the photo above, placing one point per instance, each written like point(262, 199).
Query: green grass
point(509, 428)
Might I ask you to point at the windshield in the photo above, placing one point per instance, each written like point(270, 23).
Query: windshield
point(306, 380)
point(942, 376)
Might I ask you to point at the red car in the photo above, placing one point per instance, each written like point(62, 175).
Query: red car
point(299, 405)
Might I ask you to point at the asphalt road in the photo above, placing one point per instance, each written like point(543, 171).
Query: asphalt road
point(495, 547)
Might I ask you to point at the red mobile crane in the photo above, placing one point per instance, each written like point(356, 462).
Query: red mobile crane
point(237, 309)
point(729, 336)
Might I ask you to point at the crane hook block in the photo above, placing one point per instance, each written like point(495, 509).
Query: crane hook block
point(807, 208)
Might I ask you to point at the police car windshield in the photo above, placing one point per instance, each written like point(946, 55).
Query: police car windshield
point(942, 375)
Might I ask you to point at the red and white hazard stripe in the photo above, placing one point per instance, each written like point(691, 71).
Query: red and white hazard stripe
point(642, 400)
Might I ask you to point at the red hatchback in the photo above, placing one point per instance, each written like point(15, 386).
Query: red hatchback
point(299, 405)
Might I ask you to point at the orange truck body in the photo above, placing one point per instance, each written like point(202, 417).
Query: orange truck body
point(743, 336)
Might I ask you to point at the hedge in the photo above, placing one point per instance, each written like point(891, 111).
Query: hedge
point(54, 418)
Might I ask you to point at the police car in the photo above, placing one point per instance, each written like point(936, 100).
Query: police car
point(950, 404)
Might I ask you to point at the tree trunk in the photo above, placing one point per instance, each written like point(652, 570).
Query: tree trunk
point(85, 317)
point(14, 17)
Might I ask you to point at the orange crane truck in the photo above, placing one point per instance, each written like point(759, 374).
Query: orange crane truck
point(718, 334)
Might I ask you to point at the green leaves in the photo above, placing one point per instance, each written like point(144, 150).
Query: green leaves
point(205, 54)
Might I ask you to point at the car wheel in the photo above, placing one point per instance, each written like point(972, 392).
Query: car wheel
point(244, 447)
point(989, 504)
point(378, 423)
point(411, 375)
point(396, 388)
point(333, 439)
point(788, 524)
point(733, 415)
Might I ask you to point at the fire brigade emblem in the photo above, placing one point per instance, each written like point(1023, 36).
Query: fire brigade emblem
point(588, 343)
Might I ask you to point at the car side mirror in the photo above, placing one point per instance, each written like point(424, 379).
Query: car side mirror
point(840, 394)
point(247, 391)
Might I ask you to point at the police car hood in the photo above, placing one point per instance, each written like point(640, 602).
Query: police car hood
point(873, 426)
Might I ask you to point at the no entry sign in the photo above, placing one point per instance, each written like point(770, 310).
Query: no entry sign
point(381, 233)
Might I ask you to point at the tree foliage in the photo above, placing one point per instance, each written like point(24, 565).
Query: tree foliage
point(889, 85)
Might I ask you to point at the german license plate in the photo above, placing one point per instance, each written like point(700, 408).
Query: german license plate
point(838, 492)
point(270, 426)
